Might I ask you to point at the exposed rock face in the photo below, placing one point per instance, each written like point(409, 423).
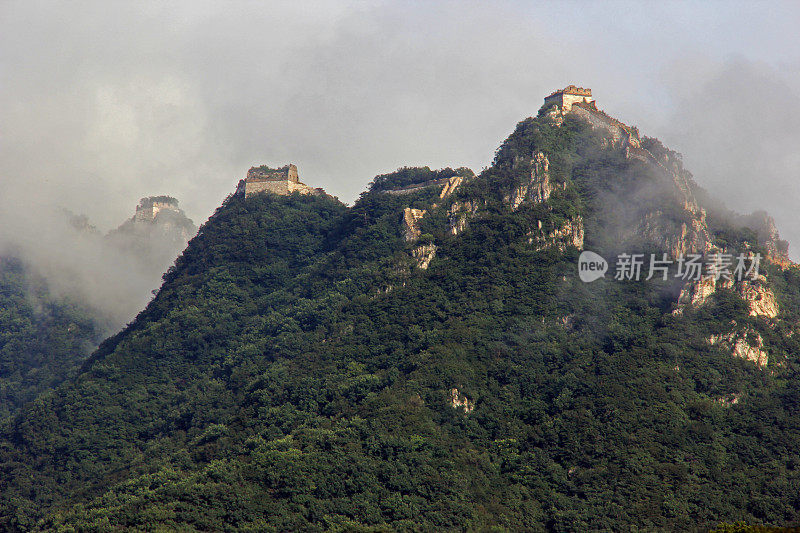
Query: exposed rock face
point(747, 344)
point(516, 197)
point(730, 399)
point(450, 187)
point(459, 401)
point(424, 254)
point(538, 189)
point(665, 213)
point(696, 293)
point(759, 297)
point(776, 248)
point(411, 223)
point(677, 238)
point(460, 213)
point(570, 234)
point(687, 233)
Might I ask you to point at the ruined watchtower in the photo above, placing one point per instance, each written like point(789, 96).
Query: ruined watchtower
point(283, 180)
point(568, 96)
point(149, 207)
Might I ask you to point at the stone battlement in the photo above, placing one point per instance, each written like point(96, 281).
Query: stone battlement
point(573, 89)
point(568, 96)
point(150, 206)
point(283, 181)
point(265, 173)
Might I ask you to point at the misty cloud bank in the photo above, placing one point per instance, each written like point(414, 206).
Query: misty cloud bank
point(740, 134)
point(102, 104)
point(113, 275)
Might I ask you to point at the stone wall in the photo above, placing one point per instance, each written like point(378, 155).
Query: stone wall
point(621, 135)
point(282, 181)
point(291, 174)
point(147, 209)
point(262, 173)
point(569, 96)
point(416, 187)
point(284, 187)
point(255, 187)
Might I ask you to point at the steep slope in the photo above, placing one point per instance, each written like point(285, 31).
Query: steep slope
point(51, 318)
point(429, 360)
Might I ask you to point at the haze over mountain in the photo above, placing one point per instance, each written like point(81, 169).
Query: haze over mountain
point(181, 97)
point(429, 359)
point(64, 286)
point(113, 274)
point(423, 353)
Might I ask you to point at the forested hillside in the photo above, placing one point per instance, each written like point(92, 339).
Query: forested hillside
point(59, 298)
point(302, 369)
point(43, 337)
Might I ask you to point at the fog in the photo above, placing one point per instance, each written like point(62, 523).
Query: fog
point(102, 103)
point(110, 276)
point(740, 134)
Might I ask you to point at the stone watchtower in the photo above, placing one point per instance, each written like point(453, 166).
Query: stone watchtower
point(149, 207)
point(568, 96)
point(283, 180)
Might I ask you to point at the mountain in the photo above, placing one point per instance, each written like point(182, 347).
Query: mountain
point(51, 319)
point(155, 234)
point(430, 359)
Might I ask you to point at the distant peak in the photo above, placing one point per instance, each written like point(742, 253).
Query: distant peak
point(150, 206)
point(162, 200)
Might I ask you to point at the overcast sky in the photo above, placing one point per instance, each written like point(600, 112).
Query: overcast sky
point(104, 102)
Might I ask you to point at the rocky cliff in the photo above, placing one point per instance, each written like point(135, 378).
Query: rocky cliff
point(648, 203)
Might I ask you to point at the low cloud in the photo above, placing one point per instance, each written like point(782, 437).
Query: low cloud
point(104, 104)
point(112, 276)
point(737, 127)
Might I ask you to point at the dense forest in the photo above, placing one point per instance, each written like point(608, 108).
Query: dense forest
point(43, 337)
point(298, 371)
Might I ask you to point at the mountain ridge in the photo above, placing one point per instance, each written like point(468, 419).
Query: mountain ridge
point(301, 369)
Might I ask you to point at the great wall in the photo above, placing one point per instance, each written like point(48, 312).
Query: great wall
point(149, 207)
point(691, 237)
point(282, 181)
